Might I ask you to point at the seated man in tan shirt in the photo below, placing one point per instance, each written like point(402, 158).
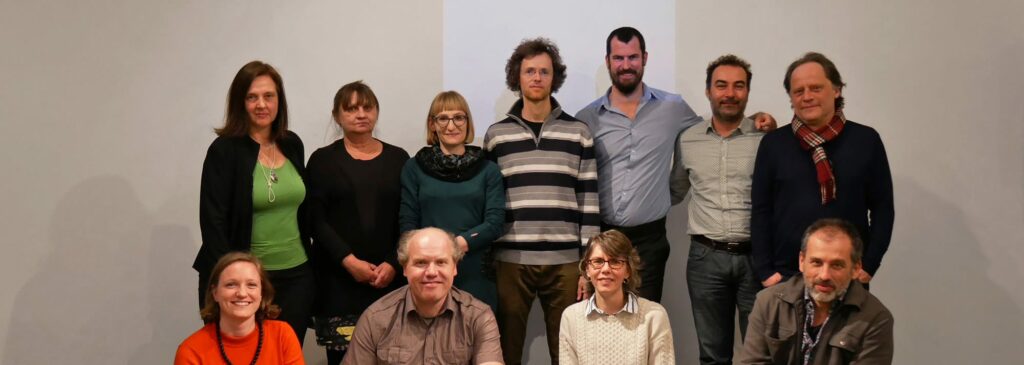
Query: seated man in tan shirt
point(427, 321)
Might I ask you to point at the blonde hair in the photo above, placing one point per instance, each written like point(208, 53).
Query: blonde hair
point(448, 100)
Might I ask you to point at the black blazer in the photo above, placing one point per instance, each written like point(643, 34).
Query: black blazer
point(225, 196)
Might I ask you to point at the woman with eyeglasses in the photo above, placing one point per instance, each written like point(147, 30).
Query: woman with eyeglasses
point(450, 185)
point(614, 326)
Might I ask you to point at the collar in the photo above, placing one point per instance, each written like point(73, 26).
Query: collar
point(746, 127)
point(606, 100)
point(516, 112)
point(632, 305)
point(812, 306)
point(410, 305)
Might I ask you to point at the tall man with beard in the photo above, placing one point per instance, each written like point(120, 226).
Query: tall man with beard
point(635, 128)
point(823, 316)
point(714, 161)
point(547, 159)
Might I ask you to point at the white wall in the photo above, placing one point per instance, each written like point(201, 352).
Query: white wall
point(108, 107)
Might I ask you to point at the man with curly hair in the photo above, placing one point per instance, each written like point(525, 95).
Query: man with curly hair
point(547, 159)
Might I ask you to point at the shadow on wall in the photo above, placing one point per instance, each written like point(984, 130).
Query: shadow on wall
point(675, 295)
point(92, 301)
point(934, 280)
point(501, 107)
point(173, 308)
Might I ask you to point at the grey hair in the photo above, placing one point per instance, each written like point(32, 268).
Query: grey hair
point(831, 227)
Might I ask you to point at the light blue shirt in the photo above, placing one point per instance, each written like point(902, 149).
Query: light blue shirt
point(634, 157)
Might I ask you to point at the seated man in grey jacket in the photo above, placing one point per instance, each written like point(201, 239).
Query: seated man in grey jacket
point(823, 316)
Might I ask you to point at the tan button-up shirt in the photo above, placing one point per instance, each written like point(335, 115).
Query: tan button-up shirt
point(391, 332)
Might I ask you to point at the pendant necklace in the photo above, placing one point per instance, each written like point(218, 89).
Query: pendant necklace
point(259, 345)
point(270, 178)
point(273, 170)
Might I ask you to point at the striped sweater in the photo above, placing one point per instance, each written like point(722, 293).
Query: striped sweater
point(551, 181)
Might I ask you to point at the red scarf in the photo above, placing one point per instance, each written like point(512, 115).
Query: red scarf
point(813, 141)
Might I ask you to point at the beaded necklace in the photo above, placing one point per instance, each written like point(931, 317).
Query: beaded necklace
point(259, 345)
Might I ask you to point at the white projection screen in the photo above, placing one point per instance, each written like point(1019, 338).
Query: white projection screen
point(107, 109)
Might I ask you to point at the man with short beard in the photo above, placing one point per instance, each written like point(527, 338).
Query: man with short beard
point(635, 128)
point(823, 316)
point(714, 162)
point(547, 159)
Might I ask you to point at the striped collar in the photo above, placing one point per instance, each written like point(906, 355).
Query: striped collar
point(632, 304)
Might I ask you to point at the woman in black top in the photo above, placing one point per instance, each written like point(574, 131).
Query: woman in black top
point(252, 192)
point(354, 200)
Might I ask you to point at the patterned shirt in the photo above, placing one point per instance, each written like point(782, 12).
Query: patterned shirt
point(718, 171)
point(809, 341)
point(630, 307)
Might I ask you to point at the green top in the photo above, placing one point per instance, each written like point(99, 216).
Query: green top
point(275, 225)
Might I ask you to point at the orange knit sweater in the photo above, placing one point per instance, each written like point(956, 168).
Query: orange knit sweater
point(279, 346)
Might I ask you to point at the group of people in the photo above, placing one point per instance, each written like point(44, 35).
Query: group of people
point(439, 258)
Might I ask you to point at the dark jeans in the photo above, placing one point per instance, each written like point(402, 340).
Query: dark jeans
point(518, 285)
point(653, 247)
point(720, 283)
point(294, 289)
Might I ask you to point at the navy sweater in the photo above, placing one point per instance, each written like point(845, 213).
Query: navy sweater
point(786, 197)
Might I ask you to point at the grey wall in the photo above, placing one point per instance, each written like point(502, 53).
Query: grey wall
point(107, 108)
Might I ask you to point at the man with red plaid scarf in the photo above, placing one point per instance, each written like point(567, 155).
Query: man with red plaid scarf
point(820, 166)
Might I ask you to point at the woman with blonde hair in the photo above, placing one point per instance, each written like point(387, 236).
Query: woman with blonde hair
point(450, 185)
point(614, 326)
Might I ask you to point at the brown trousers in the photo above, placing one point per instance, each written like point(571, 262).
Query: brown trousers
point(518, 285)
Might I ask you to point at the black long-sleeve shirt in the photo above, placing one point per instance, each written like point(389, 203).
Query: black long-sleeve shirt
point(786, 197)
point(354, 210)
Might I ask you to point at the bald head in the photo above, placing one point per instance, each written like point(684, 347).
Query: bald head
point(427, 235)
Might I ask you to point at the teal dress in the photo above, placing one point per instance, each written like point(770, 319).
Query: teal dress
point(463, 195)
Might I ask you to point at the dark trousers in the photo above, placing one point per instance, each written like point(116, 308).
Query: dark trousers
point(294, 290)
point(518, 285)
point(335, 357)
point(653, 247)
point(720, 283)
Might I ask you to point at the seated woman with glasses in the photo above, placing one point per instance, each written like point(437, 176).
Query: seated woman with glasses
point(614, 326)
point(450, 185)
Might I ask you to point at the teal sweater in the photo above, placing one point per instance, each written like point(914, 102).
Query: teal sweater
point(473, 209)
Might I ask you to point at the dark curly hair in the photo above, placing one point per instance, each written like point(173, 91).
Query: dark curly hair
point(529, 48)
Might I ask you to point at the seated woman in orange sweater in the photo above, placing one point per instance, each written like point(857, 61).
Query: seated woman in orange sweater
point(239, 328)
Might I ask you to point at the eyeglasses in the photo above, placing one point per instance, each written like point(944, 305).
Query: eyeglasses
point(443, 120)
point(597, 264)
